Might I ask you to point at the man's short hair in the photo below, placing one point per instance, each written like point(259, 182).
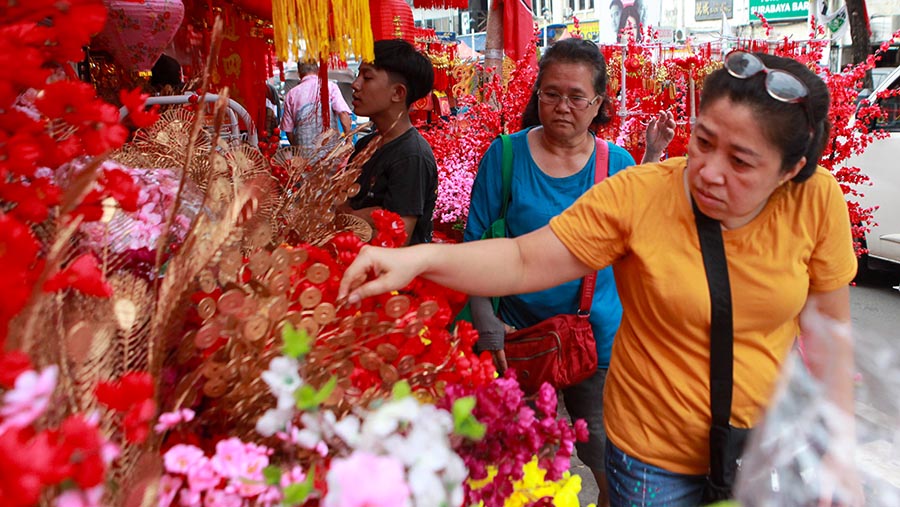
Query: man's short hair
point(406, 65)
point(305, 68)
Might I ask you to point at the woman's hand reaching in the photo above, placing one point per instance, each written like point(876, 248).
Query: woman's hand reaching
point(394, 268)
point(660, 132)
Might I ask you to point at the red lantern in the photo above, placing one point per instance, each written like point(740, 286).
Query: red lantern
point(392, 19)
point(136, 33)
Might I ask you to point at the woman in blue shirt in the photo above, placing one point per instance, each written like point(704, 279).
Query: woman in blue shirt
point(553, 164)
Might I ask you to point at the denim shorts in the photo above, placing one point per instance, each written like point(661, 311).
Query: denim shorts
point(633, 483)
point(585, 401)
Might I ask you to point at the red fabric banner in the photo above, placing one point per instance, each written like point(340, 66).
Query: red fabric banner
point(518, 27)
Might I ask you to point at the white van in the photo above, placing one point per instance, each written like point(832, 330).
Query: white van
point(881, 163)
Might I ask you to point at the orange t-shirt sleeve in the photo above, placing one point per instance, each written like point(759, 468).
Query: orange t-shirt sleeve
point(833, 262)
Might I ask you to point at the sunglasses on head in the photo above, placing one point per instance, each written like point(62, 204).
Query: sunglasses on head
point(781, 85)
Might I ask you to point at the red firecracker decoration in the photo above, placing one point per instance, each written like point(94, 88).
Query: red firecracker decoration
point(392, 19)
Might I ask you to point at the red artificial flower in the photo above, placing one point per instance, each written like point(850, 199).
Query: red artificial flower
point(132, 389)
point(21, 142)
point(32, 199)
point(12, 364)
point(84, 275)
point(27, 465)
point(133, 396)
point(135, 102)
point(137, 421)
point(121, 187)
point(81, 449)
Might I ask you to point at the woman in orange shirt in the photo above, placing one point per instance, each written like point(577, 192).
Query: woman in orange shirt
point(752, 167)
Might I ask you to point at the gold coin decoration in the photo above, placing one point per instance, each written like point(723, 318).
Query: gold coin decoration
point(231, 301)
point(396, 306)
point(255, 327)
point(324, 313)
point(318, 273)
point(387, 351)
point(206, 308)
point(310, 297)
point(388, 374)
point(206, 335)
point(215, 388)
point(427, 309)
point(406, 364)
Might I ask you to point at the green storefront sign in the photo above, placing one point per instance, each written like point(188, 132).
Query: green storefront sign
point(775, 10)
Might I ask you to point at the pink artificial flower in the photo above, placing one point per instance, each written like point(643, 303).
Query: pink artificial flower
point(181, 457)
point(235, 459)
point(28, 399)
point(219, 498)
point(109, 452)
point(168, 488)
point(188, 498)
point(366, 480)
point(250, 481)
point(78, 498)
point(202, 476)
point(169, 420)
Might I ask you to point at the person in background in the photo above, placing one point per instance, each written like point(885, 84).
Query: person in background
point(401, 176)
point(553, 165)
point(301, 119)
point(751, 167)
point(166, 77)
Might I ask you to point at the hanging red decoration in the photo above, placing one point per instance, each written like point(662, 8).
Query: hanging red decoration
point(441, 4)
point(262, 9)
point(136, 33)
point(392, 19)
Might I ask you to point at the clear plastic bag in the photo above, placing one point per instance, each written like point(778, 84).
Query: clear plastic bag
point(796, 458)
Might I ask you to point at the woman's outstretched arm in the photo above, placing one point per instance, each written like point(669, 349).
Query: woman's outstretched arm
point(493, 267)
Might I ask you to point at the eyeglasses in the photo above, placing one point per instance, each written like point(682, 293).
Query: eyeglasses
point(575, 102)
point(781, 85)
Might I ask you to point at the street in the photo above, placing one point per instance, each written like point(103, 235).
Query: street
point(875, 308)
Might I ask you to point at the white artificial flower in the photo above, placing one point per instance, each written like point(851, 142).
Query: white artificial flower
point(427, 487)
point(387, 418)
point(273, 421)
point(347, 429)
point(283, 378)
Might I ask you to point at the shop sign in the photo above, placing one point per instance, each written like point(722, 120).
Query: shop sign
point(776, 10)
point(705, 10)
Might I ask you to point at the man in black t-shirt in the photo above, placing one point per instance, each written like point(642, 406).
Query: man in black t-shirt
point(401, 176)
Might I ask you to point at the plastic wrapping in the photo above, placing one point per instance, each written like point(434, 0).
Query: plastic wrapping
point(803, 452)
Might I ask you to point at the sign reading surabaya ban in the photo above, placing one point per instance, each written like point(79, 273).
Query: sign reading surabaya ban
point(775, 10)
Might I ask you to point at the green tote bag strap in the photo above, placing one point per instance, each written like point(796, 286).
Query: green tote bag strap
point(497, 228)
point(506, 172)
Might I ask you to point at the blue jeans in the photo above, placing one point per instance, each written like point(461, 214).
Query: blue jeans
point(633, 483)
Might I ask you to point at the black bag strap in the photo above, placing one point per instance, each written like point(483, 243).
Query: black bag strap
point(721, 328)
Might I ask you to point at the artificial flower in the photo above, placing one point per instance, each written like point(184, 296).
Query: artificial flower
point(134, 101)
point(168, 420)
point(179, 458)
point(365, 480)
point(283, 378)
point(169, 486)
point(77, 498)
point(28, 399)
point(84, 275)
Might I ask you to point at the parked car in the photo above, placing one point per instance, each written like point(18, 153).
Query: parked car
point(881, 163)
